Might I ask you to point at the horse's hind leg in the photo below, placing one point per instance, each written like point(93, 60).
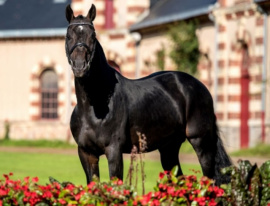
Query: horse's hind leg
point(169, 155)
point(212, 155)
point(205, 149)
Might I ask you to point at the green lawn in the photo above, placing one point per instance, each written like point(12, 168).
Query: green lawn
point(36, 143)
point(260, 150)
point(68, 168)
point(185, 148)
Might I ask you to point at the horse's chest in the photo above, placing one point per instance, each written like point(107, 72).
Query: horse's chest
point(92, 139)
point(88, 134)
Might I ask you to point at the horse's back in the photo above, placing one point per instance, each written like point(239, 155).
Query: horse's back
point(180, 85)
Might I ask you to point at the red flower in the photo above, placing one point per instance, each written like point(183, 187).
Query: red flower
point(212, 203)
point(157, 194)
point(161, 175)
point(91, 185)
point(6, 176)
point(186, 187)
point(78, 196)
point(189, 184)
point(119, 182)
point(14, 201)
point(204, 181)
point(146, 199)
point(61, 201)
point(218, 191)
point(47, 194)
point(155, 203)
point(70, 187)
point(182, 192)
point(126, 192)
point(170, 191)
point(3, 192)
point(35, 179)
point(26, 179)
point(27, 193)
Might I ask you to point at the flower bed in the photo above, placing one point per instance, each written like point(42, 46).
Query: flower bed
point(250, 186)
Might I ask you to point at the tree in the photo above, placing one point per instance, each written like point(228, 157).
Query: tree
point(185, 46)
point(160, 56)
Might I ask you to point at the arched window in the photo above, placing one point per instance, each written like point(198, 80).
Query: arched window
point(49, 93)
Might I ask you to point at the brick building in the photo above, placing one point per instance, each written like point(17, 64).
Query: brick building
point(234, 62)
point(37, 90)
point(36, 87)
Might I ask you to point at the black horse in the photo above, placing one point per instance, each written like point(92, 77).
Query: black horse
point(167, 107)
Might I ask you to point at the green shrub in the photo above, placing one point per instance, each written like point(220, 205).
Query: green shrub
point(250, 185)
point(7, 130)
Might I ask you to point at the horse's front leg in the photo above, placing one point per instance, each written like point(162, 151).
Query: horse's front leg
point(90, 164)
point(115, 161)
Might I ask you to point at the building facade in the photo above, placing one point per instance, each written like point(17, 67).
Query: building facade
point(234, 62)
point(37, 89)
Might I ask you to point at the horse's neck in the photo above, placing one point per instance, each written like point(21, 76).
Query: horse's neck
point(97, 86)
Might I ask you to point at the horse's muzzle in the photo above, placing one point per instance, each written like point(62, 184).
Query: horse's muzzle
point(82, 63)
point(79, 68)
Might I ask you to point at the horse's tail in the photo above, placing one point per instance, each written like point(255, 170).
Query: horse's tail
point(221, 159)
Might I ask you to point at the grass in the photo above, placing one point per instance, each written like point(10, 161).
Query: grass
point(68, 168)
point(261, 150)
point(185, 148)
point(36, 143)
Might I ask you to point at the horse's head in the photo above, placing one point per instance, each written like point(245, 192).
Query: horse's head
point(80, 41)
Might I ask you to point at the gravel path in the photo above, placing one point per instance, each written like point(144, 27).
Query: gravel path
point(184, 158)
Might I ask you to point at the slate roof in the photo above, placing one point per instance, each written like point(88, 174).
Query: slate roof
point(31, 18)
point(166, 11)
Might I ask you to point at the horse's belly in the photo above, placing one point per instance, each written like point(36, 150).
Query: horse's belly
point(157, 123)
point(156, 133)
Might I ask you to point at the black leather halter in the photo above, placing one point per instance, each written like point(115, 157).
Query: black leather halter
point(69, 52)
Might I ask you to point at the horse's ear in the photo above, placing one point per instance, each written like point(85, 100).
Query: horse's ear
point(92, 13)
point(69, 13)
